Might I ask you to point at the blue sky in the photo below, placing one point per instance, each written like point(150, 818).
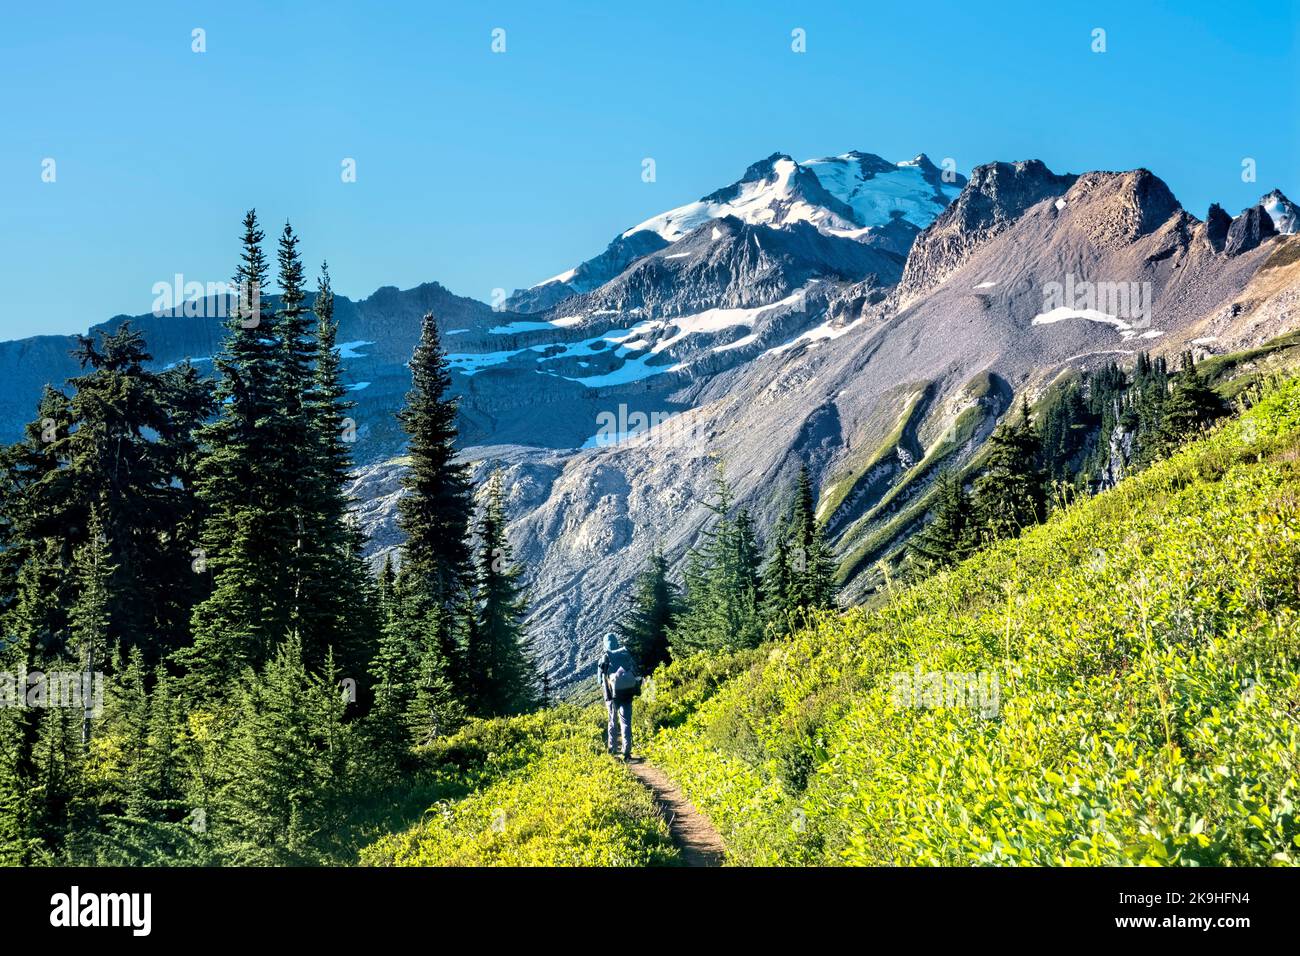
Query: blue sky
point(483, 170)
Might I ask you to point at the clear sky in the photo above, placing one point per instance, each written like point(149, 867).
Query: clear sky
point(485, 170)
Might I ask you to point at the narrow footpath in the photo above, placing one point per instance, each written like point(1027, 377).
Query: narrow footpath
point(696, 839)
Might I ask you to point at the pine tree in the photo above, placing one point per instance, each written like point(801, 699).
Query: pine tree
point(799, 576)
point(90, 614)
point(29, 810)
point(288, 764)
point(435, 513)
point(813, 578)
point(434, 709)
point(779, 592)
point(120, 466)
point(949, 536)
point(1192, 405)
point(649, 619)
point(1011, 494)
point(721, 609)
point(501, 677)
point(248, 536)
point(340, 612)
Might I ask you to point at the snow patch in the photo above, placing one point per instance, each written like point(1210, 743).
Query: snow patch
point(348, 350)
point(533, 325)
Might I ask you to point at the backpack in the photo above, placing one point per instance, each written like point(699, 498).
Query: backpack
point(622, 675)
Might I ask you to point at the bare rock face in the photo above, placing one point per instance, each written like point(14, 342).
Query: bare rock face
point(1121, 453)
point(1248, 230)
point(996, 195)
point(1119, 208)
point(1217, 223)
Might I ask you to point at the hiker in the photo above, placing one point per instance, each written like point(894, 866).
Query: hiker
point(618, 684)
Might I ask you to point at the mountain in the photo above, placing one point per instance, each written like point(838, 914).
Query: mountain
point(1283, 212)
point(865, 318)
point(855, 196)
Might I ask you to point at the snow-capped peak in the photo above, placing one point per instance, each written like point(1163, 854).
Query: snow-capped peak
point(1284, 213)
point(854, 195)
point(839, 195)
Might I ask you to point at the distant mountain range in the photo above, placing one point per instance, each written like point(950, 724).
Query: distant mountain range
point(871, 319)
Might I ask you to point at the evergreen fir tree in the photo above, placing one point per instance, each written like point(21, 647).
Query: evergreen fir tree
point(288, 763)
point(721, 609)
point(89, 616)
point(799, 577)
point(949, 536)
point(779, 588)
point(435, 513)
point(1011, 494)
point(653, 608)
point(1192, 406)
point(247, 536)
point(500, 674)
point(813, 585)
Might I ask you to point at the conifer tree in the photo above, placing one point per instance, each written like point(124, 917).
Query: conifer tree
point(649, 619)
point(1011, 494)
point(1192, 405)
point(813, 578)
point(435, 513)
point(948, 537)
point(287, 765)
point(779, 592)
point(89, 616)
point(800, 573)
point(119, 465)
point(339, 614)
point(29, 811)
point(501, 676)
point(721, 608)
point(247, 534)
point(434, 708)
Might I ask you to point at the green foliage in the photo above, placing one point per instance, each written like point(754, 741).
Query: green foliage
point(435, 513)
point(949, 537)
point(550, 796)
point(275, 539)
point(1011, 494)
point(291, 760)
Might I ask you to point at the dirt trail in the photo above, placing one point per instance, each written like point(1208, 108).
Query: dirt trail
point(697, 841)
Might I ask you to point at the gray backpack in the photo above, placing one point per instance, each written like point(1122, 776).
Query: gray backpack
point(622, 675)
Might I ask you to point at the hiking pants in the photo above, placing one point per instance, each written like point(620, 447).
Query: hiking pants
point(620, 720)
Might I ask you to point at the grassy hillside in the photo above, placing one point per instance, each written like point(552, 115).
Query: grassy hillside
point(1136, 662)
point(1145, 646)
point(546, 795)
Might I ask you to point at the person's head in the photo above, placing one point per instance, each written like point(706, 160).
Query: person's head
point(611, 642)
